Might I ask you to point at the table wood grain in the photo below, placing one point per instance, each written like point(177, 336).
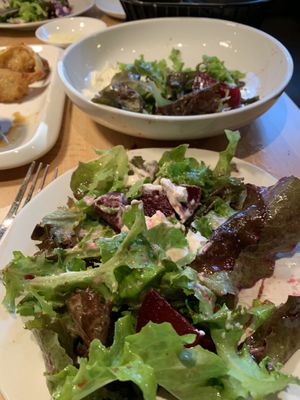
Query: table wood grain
point(272, 142)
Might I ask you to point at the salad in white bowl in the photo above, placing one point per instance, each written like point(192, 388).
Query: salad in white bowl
point(146, 107)
point(134, 289)
point(155, 87)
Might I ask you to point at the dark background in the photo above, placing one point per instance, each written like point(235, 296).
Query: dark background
point(282, 20)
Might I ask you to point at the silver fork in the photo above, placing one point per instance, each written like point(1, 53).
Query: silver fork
point(22, 192)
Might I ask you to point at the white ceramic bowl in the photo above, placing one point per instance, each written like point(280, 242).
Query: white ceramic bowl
point(62, 32)
point(268, 64)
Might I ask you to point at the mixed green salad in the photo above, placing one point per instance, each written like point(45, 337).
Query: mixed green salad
point(133, 292)
point(154, 87)
point(34, 10)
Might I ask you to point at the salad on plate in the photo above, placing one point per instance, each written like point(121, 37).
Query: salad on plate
point(155, 87)
point(133, 292)
point(24, 11)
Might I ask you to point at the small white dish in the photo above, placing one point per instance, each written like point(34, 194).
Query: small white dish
point(65, 31)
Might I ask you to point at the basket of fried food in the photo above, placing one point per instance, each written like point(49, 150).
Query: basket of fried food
point(20, 67)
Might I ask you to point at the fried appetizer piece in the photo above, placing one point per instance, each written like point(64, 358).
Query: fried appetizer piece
point(13, 85)
point(23, 59)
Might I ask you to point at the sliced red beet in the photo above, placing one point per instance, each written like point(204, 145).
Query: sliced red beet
point(186, 205)
point(29, 276)
point(156, 309)
point(194, 196)
point(156, 200)
point(110, 207)
point(235, 97)
point(203, 80)
point(233, 93)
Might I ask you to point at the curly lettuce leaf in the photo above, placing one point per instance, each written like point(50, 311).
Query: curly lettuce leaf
point(183, 170)
point(59, 228)
point(260, 311)
point(187, 170)
point(214, 67)
point(156, 356)
point(175, 57)
point(38, 277)
point(278, 333)
point(135, 190)
point(130, 262)
point(186, 280)
point(109, 246)
point(21, 270)
point(138, 260)
point(154, 70)
point(51, 282)
point(105, 174)
point(220, 211)
point(54, 354)
point(160, 100)
point(30, 11)
point(223, 167)
point(219, 283)
point(134, 252)
point(55, 289)
point(163, 349)
point(106, 365)
point(88, 247)
point(149, 358)
point(248, 378)
point(176, 154)
point(167, 237)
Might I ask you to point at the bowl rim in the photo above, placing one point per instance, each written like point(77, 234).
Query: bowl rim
point(274, 95)
point(63, 22)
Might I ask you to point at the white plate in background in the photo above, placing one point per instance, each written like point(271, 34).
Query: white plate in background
point(42, 110)
point(78, 7)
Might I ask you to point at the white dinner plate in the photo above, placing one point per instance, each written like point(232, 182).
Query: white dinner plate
point(78, 7)
point(21, 363)
point(113, 8)
point(42, 110)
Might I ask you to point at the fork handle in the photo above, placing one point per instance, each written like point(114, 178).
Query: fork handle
point(16, 203)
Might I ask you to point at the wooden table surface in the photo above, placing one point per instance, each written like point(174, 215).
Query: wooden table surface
point(271, 142)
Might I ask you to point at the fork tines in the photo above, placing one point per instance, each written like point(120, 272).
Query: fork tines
point(37, 184)
point(40, 177)
point(35, 179)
